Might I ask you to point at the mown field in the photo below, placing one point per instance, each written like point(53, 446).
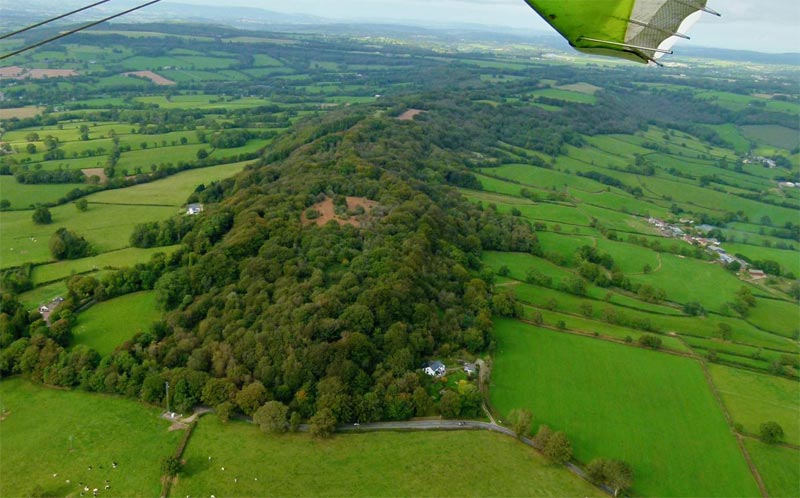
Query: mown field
point(106, 227)
point(467, 463)
point(753, 399)
point(39, 459)
point(108, 260)
point(778, 466)
point(111, 216)
point(650, 409)
point(106, 325)
point(24, 196)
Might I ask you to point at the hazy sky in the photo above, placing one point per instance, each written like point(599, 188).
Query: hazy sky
point(763, 25)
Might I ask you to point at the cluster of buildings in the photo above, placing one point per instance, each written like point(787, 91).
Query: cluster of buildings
point(764, 161)
point(438, 369)
point(711, 244)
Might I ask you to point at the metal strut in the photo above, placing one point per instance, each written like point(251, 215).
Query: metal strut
point(626, 45)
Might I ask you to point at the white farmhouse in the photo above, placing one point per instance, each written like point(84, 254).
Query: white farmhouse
point(435, 369)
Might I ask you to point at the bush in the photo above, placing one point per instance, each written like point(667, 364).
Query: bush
point(65, 244)
point(170, 466)
point(558, 448)
point(322, 424)
point(271, 417)
point(42, 216)
point(650, 341)
point(615, 474)
point(771, 432)
point(224, 411)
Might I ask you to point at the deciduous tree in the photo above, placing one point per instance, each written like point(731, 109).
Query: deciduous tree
point(271, 417)
point(521, 421)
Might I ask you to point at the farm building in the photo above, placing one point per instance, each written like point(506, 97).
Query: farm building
point(194, 209)
point(470, 368)
point(435, 369)
point(757, 274)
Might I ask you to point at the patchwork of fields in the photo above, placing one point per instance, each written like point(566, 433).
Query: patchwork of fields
point(602, 279)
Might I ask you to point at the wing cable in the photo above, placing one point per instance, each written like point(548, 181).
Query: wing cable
point(76, 30)
point(62, 16)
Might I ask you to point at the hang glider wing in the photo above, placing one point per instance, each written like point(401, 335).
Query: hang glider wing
point(639, 30)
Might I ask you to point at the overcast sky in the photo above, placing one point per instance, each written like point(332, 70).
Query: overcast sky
point(762, 25)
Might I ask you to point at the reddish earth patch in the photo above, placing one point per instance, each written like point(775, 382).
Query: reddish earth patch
point(40, 74)
point(20, 73)
point(410, 114)
point(20, 112)
point(100, 172)
point(150, 75)
point(327, 212)
point(11, 71)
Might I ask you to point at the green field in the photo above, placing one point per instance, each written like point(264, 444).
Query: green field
point(170, 191)
point(776, 136)
point(111, 216)
point(106, 325)
point(567, 95)
point(467, 463)
point(650, 409)
point(109, 260)
point(37, 424)
point(753, 399)
point(22, 196)
point(711, 284)
point(778, 466)
point(106, 227)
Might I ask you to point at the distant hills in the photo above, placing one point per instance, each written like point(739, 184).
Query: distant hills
point(258, 19)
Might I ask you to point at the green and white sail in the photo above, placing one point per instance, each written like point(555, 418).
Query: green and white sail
point(640, 30)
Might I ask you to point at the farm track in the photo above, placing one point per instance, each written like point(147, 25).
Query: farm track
point(133, 204)
point(729, 420)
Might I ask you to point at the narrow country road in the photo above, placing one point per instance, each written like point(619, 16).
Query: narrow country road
point(422, 425)
point(454, 425)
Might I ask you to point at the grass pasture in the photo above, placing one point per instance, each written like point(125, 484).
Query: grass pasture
point(578, 97)
point(109, 260)
point(753, 399)
point(710, 283)
point(774, 135)
point(778, 466)
point(23, 196)
point(106, 325)
point(36, 427)
point(371, 465)
point(170, 191)
point(650, 409)
point(106, 227)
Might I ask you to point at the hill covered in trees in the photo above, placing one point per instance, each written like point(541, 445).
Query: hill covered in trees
point(264, 306)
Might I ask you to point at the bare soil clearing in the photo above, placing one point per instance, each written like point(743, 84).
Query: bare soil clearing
point(20, 112)
point(21, 73)
point(410, 114)
point(100, 172)
point(150, 75)
point(327, 212)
